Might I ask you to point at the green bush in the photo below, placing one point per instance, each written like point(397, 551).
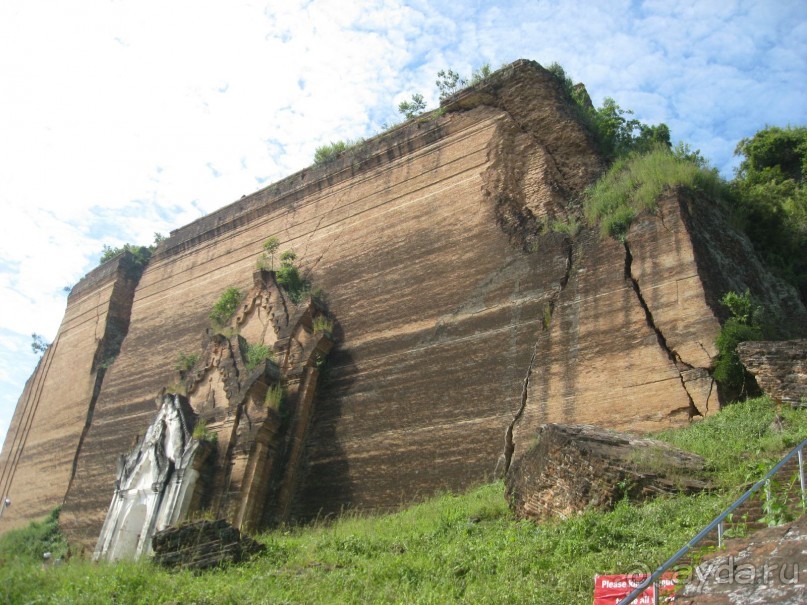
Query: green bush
point(322, 324)
point(225, 306)
point(256, 354)
point(634, 183)
point(141, 254)
point(31, 542)
point(288, 276)
point(328, 153)
point(274, 398)
point(202, 433)
point(744, 324)
point(185, 362)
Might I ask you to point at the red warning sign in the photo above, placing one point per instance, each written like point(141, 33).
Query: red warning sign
point(610, 590)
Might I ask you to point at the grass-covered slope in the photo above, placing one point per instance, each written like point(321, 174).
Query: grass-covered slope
point(452, 549)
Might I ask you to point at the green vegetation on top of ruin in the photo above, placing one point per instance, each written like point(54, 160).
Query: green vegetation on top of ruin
point(330, 151)
point(767, 198)
point(464, 548)
point(448, 82)
point(634, 183)
point(140, 254)
point(615, 132)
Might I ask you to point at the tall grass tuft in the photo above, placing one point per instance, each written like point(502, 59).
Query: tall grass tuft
point(330, 151)
point(634, 183)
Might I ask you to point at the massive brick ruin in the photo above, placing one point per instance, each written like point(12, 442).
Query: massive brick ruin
point(463, 321)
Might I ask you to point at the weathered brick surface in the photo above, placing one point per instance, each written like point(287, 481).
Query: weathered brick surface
point(42, 443)
point(431, 242)
point(780, 368)
point(573, 468)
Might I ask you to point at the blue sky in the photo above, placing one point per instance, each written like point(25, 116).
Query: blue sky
point(128, 117)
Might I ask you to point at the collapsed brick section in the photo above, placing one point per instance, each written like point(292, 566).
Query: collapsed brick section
point(202, 545)
point(574, 468)
point(780, 369)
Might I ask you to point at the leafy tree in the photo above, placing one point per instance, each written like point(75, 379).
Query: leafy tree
point(38, 344)
point(412, 108)
point(616, 131)
point(270, 246)
point(771, 199)
point(481, 74)
point(448, 82)
point(744, 324)
point(782, 151)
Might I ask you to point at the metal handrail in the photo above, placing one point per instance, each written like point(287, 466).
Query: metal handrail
point(718, 522)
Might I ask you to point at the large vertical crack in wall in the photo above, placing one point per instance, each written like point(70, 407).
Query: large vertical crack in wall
point(118, 315)
point(506, 458)
point(674, 357)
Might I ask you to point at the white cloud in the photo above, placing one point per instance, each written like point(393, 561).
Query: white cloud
point(123, 118)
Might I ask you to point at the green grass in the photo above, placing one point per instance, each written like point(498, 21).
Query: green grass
point(739, 443)
point(322, 324)
point(256, 354)
point(27, 545)
point(274, 397)
point(451, 549)
point(185, 362)
point(330, 151)
point(634, 183)
point(225, 306)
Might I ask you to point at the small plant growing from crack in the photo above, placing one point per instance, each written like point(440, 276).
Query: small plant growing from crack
point(225, 306)
point(185, 362)
point(201, 432)
point(275, 396)
point(256, 354)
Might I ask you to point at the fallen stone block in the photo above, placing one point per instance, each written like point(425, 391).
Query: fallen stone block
point(573, 468)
